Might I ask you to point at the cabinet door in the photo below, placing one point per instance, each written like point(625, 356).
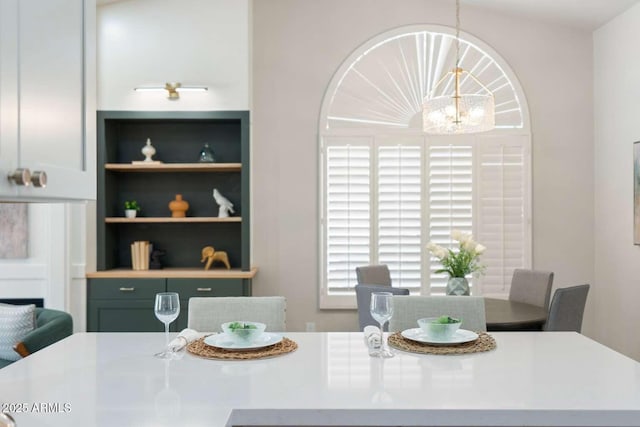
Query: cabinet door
point(123, 316)
point(123, 305)
point(56, 115)
point(188, 288)
point(8, 95)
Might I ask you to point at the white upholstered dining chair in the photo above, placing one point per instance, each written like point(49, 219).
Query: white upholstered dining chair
point(408, 309)
point(206, 314)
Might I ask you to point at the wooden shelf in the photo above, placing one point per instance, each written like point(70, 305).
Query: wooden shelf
point(174, 273)
point(174, 167)
point(158, 220)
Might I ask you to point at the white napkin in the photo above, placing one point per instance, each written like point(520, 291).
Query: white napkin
point(185, 337)
point(372, 337)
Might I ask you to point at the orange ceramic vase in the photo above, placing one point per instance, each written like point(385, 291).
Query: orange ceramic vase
point(178, 207)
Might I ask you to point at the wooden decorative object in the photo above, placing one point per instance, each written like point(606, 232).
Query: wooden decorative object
point(178, 207)
point(21, 349)
point(211, 255)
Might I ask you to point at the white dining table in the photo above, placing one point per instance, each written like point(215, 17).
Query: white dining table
point(531, 378)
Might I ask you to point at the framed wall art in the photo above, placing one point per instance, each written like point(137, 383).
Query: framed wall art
point(636, 193)
point(13, 230)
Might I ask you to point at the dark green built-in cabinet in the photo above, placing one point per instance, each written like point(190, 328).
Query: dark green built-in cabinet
point(121, 299)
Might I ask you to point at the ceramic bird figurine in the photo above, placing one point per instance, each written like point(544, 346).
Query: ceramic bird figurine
point(226, 206)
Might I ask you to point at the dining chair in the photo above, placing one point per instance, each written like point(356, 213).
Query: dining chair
point(567, 309)
point(363, 297)
point(531, 287)
point(408, 309)
point(207, 314)
point(373, 275)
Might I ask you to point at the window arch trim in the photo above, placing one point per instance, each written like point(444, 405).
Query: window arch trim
point(368, 47)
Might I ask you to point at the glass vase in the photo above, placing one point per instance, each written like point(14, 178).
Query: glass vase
point(457, 286)
point(206, 155)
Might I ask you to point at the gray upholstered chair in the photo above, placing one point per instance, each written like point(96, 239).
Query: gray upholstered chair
point(408, 309)
point(373, 275)
point(531, 287)
point(51, 326)
point(363, 296)
point(567, 309)
point(206, 314)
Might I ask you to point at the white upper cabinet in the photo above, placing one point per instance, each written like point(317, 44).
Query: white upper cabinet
point(8, 96)
point(47, 99)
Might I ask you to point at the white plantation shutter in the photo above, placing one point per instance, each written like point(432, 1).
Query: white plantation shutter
point(503, 210)
point(385, 197)
point(347, 212)
point(450, 200)
point(399, 213)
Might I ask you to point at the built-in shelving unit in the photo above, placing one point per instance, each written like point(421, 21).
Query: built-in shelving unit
point(120, 298)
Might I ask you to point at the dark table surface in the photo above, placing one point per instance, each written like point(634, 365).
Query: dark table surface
point(505, 315)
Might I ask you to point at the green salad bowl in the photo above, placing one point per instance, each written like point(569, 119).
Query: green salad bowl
point(435, 328)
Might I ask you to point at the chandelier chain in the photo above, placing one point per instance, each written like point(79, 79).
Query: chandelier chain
point(457, 33)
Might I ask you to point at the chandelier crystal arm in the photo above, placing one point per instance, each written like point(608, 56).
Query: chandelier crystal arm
point(478, 82)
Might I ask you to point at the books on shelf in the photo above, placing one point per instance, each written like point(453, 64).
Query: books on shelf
point(140, 253)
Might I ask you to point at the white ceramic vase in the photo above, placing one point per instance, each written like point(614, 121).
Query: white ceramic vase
point(148, 150)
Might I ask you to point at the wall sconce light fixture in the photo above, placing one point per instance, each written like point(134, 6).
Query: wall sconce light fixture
point(173, 89)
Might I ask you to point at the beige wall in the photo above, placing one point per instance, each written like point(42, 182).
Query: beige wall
point(298, 45)
point(195, 42)
point(617, 126)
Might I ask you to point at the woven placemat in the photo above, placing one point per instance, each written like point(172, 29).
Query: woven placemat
point(199, 348)
point(485, 342)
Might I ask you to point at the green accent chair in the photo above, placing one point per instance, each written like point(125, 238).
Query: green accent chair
point(51, 326)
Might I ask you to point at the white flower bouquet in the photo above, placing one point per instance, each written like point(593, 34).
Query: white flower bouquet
point(463, 262)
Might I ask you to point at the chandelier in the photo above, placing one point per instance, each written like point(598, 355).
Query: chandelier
point(458, 112)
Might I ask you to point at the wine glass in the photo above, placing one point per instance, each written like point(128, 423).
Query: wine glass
point(381, 311)
point(167, 309)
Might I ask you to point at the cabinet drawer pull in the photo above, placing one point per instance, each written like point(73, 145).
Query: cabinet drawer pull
point(127, 289)
point(204, 289)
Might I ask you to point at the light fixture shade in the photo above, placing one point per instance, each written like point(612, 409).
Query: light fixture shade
point(474, 113)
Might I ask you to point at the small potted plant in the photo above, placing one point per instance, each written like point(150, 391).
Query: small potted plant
point(131, 208)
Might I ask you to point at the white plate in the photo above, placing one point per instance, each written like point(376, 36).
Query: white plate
point(223, 341)
point(459, 337)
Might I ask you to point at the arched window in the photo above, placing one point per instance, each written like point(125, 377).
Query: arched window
point(387, 188)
